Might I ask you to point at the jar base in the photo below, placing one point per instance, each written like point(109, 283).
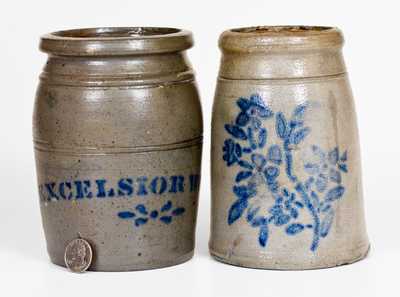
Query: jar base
point(248, 262)
point(134, 267)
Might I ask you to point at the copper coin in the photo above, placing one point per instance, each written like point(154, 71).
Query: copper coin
point(78, 255)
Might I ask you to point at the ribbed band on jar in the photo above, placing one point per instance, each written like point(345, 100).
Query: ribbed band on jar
point(279, 52)
point(117, 41)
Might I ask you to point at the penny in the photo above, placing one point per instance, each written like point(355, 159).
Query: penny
point(78, 255)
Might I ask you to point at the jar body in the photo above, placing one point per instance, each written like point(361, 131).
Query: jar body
point(118, 159)
point(286, 177)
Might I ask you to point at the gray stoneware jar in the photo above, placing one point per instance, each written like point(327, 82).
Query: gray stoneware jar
point(118, 139)
point(286, 177)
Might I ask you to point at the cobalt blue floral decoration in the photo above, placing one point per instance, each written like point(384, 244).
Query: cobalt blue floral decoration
point(316, 195)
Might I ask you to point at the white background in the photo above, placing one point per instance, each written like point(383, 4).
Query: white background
point(372, 54)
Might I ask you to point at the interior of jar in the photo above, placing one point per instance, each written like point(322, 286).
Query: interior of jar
point(116, 32)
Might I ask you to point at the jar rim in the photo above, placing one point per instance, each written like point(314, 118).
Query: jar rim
point(289, 37)
point(116, 41)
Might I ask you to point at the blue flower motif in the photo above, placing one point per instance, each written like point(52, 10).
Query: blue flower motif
point(285, 208)
point(252, 110)
point(261, 165)
point(328, 167)
point(232, 152)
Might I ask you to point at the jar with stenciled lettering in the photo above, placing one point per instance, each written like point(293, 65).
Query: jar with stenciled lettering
point(117, 132)
point(286, 174)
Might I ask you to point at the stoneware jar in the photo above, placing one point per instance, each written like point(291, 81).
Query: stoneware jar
point(118, 137)
point(286, 179)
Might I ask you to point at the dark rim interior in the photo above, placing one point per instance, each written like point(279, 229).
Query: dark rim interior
point(282, 29)
point(116, 32)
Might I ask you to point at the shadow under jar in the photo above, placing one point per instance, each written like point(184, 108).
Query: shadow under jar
point(286, 177)
point(118, 138)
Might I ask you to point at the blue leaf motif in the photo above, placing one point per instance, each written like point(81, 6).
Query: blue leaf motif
point(262, 138)
point(178, 211)
point(343, 158)
point(244, 104)
point(299, 204)
point(299, 111)
point(252, 213)
point(258, 221)
point(142, 209)
point(326, 224)
point(236, 131)
point(242, 119)
point(294, 213)
point(321, 183)
point(298, 136)
point(231, 152)
point(281, 220)
point(315, 200)
point(333, 156)
point(334, 194)
point(245, 164)
point(154, 214)
point(343, 167)
point(275, 154)
point(294, 229)
point(281, 125)
point(126, 214)
point(252, 141)
point(167, 206)
point(244, 192)
point(263, 235)
point(166, 219)
point(247, 150)
point(335, 176)
point(140, 221)
point(242, 175)
point(265, 112)
point(236, 210)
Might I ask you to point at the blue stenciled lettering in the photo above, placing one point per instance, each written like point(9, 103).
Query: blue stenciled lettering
point(158, 185)
point(101, 189)
point(177, 184)
point(124, 187)
point(50, 191)
point(194, 182)
point(62, 190)
point(83, 189)
point(142, 185)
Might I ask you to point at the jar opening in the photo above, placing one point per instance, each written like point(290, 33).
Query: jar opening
point(116, 41)
point(282, 29)
point(99, 33)
point(281, 38)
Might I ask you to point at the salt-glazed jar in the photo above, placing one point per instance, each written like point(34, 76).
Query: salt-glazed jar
point(118, 138)
point(286, 177)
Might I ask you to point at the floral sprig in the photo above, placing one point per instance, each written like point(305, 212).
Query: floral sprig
point(141, 215)
point(260, 165)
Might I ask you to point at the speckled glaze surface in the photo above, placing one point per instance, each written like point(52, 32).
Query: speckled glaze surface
point(118, 138)
point(286, 176)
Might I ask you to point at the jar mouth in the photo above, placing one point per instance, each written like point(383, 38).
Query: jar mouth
point(283, 29)
point(114, 41)
point(270, 38)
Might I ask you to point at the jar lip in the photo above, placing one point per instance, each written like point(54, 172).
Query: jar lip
point(269, 38)
point(116, 41)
